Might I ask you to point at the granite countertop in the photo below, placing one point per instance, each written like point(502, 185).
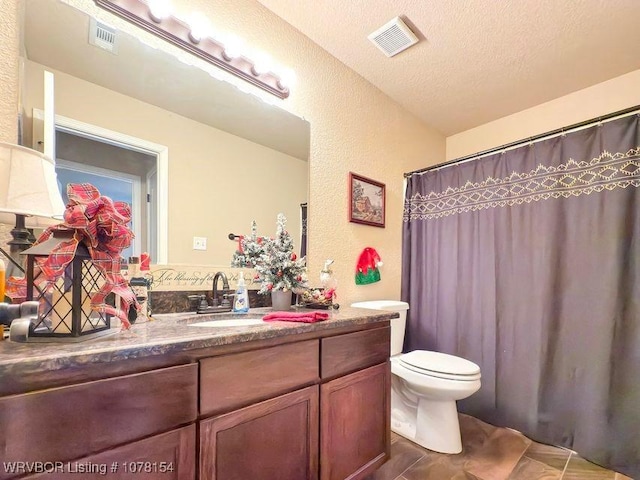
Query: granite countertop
point(166, 334)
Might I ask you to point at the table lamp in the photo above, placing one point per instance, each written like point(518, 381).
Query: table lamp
point(29, 196)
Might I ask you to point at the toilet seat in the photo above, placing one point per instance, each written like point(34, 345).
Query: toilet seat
point(440, 365)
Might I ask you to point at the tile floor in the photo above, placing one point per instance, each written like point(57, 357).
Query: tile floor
point(489, 453)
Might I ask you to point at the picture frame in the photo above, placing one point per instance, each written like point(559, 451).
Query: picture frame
point(366, 201)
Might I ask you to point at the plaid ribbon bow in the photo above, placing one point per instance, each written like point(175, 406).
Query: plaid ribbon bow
point(101, 225)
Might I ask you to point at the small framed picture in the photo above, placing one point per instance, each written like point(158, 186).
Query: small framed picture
point(366, 201)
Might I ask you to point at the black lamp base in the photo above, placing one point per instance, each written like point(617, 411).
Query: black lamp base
point(19, 243)
point(20, 234)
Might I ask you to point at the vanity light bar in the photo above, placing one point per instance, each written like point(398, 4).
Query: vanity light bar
point(177, 32)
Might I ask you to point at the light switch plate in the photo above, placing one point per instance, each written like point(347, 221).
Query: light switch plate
point(199, 243)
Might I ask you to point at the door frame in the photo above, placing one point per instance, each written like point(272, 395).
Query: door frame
point(161, 152)
point(150, 234)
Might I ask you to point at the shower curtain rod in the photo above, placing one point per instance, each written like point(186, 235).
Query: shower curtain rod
point(535, 138)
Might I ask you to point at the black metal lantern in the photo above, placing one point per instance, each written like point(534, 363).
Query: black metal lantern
point(64, 306)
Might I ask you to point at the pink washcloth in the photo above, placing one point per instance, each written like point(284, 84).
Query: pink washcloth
point(305, 317)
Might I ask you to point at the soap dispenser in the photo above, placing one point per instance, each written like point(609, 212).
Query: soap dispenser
point(241, 299)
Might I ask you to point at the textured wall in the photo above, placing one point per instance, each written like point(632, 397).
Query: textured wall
point(606, 97)
point(9, 42)
point(354, 127)
point(8, 82)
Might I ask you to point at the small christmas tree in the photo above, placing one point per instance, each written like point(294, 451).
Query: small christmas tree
point(249, 249)
point(278, 267)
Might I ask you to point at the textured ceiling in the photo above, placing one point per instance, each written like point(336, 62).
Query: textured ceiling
point(478, 60)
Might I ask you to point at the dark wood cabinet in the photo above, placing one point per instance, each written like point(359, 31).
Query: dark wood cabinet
point(355, 437)
point(308, 407)
point(276, 439)
point(169, 456)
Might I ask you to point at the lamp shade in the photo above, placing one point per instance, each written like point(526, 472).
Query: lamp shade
point(28, 186)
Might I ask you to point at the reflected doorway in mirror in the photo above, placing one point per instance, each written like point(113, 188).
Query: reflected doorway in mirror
point(88, 153)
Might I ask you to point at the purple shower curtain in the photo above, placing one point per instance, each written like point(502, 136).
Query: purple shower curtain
point(527, 262)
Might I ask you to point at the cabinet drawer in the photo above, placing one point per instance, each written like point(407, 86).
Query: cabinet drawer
point(347, 353)
point(70, 422)
point(231, 381)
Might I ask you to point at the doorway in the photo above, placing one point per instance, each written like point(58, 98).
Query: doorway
point(100, 148)
point(119, 173)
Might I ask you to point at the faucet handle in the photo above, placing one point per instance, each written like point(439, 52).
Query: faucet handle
point(194, 301)
point(225, 299)
point(203, 302)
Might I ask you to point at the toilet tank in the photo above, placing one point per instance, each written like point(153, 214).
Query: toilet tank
point(398, 325)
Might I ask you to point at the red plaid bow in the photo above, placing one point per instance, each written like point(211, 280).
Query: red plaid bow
point(101, 224)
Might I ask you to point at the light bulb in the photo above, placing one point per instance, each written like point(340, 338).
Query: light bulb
point(232, 46)
point(159, 9)
point(262, 63)
point(287, 78)
point(199, 27)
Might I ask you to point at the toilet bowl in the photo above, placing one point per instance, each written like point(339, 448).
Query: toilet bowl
point(425, 386)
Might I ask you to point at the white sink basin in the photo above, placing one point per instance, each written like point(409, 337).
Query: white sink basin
point(232, 322)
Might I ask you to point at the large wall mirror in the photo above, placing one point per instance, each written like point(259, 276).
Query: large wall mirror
point(229, 156)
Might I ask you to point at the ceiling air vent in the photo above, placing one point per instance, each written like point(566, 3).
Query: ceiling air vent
point(103, 36)
point(393, 37)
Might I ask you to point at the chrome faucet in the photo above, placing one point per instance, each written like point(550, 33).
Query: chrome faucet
point(225, 287)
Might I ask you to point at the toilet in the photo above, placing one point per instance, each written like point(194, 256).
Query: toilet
point(425, 386)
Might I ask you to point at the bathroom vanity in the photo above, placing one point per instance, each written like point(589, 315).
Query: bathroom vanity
point(278, 400)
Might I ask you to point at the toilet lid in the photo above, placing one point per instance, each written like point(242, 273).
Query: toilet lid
point(440, 365)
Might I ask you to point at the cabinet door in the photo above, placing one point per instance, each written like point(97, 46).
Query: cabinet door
point(169, 456)
point(355, 428)
point(272, 440)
